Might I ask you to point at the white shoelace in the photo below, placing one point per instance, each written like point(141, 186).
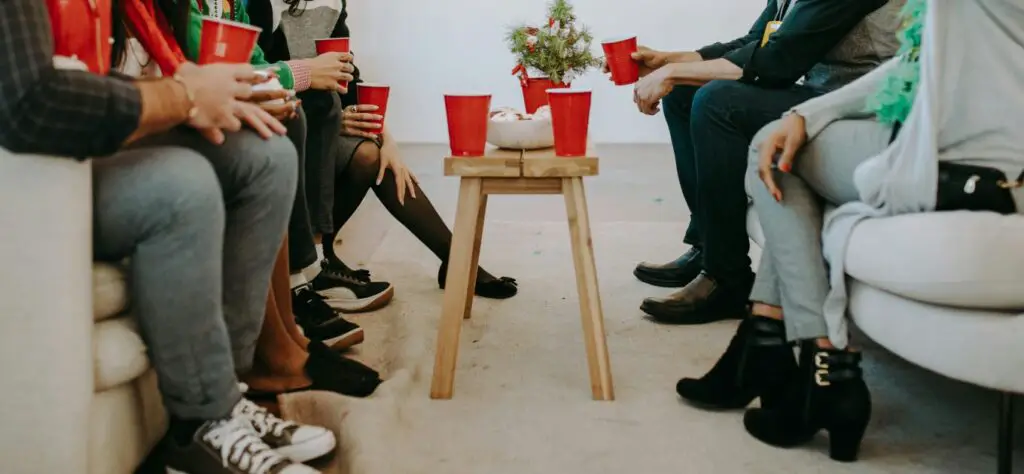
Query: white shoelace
point(240, 446)
point(262, 420)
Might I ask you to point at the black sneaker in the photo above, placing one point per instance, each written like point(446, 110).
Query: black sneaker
point(229, 446)
point(320, 323)
point(351, 291)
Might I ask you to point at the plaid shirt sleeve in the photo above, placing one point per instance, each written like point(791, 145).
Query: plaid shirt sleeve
point(56, 112)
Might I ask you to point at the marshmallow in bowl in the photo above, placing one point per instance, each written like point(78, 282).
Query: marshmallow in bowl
point(542, 113)
point(506, 114)
point(509, 114)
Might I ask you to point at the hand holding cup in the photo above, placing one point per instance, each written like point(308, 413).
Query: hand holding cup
point(361, 121)
point(331, 71)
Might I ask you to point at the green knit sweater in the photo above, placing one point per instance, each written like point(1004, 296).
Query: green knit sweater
point(284, 73)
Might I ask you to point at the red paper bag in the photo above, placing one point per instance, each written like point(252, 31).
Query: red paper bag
point(81, 30)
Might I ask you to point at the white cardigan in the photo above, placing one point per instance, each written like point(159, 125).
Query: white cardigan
point(969, 107)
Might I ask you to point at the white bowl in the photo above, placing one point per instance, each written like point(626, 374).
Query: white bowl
point(521, 134)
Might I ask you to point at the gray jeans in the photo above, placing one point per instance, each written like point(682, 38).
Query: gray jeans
point(171, 203)
point(792, 273)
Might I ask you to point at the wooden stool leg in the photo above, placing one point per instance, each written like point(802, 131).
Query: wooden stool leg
point(586, 284)
point(460, 260)
point(475, 262)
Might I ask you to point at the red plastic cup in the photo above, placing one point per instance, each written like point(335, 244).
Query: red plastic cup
point(467, 123)
point(334, 45)
point(374, 94)
point(617, 53)
point(225, 41)
point(570, 118)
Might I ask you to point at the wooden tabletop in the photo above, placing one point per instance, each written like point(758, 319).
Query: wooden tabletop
point(505, 163)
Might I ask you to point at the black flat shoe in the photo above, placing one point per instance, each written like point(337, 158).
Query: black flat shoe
point(334, 372)
point(829, 394)
point(498, 288)
point(701, 301)
point(759, 362)
point(675, 274)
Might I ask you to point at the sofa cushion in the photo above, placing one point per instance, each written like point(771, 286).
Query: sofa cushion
point(981, 347)
point(119, 356)
point(964, 259)
point(109, 290)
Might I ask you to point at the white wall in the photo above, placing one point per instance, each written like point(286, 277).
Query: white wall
point(424, 48)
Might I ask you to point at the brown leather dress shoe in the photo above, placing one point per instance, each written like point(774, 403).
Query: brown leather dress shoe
point(702, 301)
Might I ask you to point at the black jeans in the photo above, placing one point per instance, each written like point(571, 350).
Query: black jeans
point(711, 128)
point(301, 246)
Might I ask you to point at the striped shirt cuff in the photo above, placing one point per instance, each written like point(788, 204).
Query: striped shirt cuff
point(302, 74)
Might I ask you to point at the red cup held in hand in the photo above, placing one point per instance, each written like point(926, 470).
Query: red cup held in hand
point(570, 119)
point(467, 122)
point(334, 45)
point(618, 56)
point(225, 41)
point(374, 94)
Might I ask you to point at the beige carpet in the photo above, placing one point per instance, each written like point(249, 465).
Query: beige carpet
point(522, 401)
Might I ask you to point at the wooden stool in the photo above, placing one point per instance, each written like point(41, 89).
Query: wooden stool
point(519, 172)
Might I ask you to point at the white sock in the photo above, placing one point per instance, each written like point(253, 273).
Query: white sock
point(319, 252)
point(297, 279)
point(312, 271)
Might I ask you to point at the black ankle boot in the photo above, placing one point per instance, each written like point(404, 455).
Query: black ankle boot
point(758, 363)
point(830, 395)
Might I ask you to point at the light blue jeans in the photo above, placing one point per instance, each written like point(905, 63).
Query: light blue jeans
point(169, 204)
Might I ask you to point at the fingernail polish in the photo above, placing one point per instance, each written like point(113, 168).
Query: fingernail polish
point(784, 167)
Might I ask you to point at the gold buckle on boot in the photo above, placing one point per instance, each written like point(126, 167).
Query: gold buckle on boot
point(821, 363)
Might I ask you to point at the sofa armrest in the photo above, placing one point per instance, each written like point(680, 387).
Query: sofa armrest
point(45, 313)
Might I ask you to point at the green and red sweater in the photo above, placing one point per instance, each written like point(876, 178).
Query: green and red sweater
point(287, 70)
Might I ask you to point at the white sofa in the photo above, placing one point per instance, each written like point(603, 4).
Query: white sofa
point(944, 291)
point(79, 395)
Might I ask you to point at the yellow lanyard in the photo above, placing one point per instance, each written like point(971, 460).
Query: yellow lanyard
point(772, 26)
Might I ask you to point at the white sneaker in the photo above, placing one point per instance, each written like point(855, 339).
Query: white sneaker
point(300, 443)
point(229, 447)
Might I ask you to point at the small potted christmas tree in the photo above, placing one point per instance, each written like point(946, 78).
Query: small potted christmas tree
point(556, 53)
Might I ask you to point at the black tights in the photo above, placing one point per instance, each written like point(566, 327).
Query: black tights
point(418, 215)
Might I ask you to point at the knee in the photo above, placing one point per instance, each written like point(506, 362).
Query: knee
point(184, 186)
point(277, 168)
point(716, 97)
point(759, 138)
point(263, 169)
point(677, 103)
point(367, 155)
point(753, 177)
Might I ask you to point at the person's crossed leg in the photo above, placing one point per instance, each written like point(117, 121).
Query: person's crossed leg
point(711, 128)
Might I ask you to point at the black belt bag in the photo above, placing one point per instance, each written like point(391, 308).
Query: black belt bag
point(964, 187)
